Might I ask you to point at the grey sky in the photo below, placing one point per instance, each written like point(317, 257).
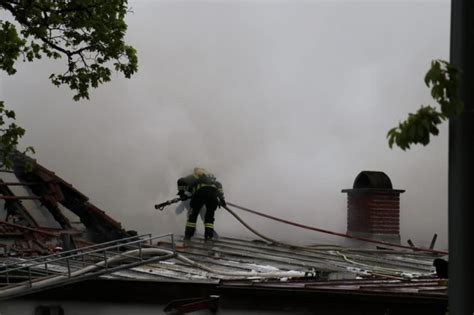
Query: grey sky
point(285, 101)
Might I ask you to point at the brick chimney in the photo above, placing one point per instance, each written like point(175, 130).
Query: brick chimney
point(373, 207)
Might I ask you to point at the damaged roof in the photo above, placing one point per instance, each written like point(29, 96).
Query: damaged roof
point(237, 267)
point(40, 212)
point(244, 263)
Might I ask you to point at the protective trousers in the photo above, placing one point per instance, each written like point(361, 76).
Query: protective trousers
point(206, 196)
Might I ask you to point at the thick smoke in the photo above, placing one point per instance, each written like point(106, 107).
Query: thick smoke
point(286, 102)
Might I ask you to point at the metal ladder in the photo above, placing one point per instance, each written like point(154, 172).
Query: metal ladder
point(45, 272)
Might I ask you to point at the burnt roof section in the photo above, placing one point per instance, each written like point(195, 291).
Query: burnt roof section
point(35, 198)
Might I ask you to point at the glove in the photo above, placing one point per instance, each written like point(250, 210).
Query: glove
point(182, 196)
point(223, 203)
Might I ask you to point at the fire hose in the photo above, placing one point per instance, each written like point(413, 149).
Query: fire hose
point(363, 239)
point(358, 238)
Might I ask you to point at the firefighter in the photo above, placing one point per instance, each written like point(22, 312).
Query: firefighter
point(204, 190)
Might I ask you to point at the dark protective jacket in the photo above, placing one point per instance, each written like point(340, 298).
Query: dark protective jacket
point(189, 185)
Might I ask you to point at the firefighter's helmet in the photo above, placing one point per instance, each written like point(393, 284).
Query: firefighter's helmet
point(199, 171)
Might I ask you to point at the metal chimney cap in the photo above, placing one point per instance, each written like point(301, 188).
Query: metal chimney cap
point(373, 180)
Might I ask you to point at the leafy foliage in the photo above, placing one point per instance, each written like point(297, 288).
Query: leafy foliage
point(443, 79)
point(88, 33)
point(10, 136)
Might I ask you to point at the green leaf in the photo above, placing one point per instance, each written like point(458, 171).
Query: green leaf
point(88, 34)
point(442, 78)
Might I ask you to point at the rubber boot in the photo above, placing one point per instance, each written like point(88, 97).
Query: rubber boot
point(208, 234)
point(188, 233)
point(208, 237)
